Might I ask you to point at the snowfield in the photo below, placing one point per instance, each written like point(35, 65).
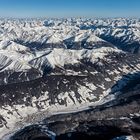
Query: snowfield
point(63, 66)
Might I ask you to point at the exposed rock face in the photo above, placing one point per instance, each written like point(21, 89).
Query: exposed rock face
point(77, 84)
point(114, 118)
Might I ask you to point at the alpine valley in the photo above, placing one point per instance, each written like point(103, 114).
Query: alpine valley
point(69, 79)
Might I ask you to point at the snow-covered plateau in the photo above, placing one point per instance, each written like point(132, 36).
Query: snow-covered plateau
point(69, 79)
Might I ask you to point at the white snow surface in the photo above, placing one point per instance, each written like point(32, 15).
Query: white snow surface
point(20, 58)
point(17, 34)
point(16, 55)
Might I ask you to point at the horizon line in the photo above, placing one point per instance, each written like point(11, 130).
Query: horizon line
point(67, 17)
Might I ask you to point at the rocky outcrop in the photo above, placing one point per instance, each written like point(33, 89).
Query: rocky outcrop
point(115, 118)
point(69, 79)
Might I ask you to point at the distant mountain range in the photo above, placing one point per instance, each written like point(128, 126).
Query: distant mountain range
point(62, 75)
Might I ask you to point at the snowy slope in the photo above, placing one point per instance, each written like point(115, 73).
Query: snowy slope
point(123, 33)
point(60, 66)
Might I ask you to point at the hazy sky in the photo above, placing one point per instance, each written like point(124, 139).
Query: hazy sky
point(69, 8)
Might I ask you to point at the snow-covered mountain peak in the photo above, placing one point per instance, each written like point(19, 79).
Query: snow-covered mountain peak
point(12, 46)
point(58, 66)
